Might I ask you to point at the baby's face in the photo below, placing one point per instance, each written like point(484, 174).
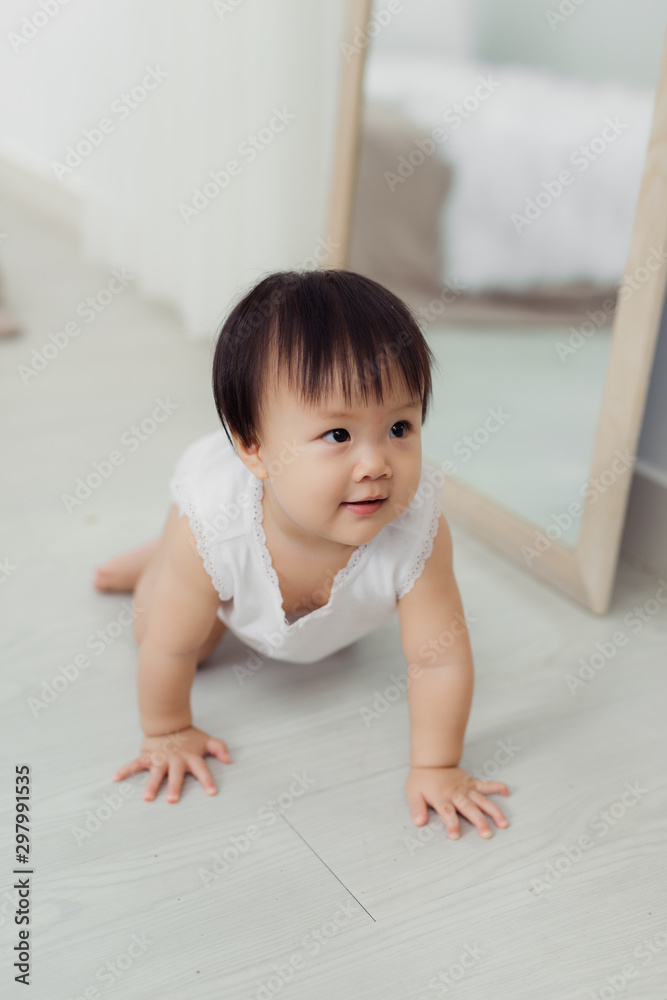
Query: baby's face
point(317, 461)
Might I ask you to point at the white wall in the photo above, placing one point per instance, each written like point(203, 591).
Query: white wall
point(601, 40)
point(444, 26)
point(153, 185)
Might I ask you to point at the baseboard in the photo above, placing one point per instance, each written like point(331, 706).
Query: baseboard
point(644, 541)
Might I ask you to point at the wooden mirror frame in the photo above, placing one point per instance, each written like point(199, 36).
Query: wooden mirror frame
point(585, 572)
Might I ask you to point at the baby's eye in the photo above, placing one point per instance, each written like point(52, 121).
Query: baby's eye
point(337, 430)
point(402, 423)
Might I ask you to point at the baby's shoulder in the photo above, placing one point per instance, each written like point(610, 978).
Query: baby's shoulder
point(214, 488)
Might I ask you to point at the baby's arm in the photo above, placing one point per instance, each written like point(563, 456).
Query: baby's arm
point(180, 617)
point(435, 641)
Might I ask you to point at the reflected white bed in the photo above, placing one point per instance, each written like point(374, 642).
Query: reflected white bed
point(478, 207)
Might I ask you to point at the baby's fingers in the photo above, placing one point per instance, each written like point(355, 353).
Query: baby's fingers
point(138, 764)
point(490, 807)
point(218, 748)
point(175, 780)
point(155, 779)
point(197, 766)
point(467, 808)
point(449, 817)
point(493, 787)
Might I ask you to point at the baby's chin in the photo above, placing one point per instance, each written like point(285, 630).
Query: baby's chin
point(343, 529)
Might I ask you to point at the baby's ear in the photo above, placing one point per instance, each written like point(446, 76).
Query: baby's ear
point(250, 457)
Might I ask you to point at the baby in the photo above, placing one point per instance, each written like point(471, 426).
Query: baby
point(305, 523)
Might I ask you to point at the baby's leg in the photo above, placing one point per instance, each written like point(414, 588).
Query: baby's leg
point(122, 572)
point(142, 567)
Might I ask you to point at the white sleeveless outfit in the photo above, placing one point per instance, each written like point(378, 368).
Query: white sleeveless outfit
point(222, 500)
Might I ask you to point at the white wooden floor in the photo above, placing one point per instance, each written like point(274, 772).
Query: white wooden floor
point(260, 892)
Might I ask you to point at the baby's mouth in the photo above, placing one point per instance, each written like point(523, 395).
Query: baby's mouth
point(364, 503)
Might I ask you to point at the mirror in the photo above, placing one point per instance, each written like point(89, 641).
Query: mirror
point(498, 168)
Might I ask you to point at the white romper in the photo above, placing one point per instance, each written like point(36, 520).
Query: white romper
point(223, 502)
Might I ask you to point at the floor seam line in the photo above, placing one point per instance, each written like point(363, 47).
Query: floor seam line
point(329, 869)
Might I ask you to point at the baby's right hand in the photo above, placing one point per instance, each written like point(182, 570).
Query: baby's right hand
point(173, 754)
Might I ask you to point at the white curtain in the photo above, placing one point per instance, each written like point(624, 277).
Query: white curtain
point(186, 88)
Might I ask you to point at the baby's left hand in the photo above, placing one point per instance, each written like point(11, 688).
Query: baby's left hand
point(447, 789)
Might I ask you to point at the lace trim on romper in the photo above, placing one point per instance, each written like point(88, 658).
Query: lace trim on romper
point(425, 552)
point(257, 517)
point(187, 506)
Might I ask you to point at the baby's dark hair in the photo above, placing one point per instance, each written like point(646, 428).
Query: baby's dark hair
point(323, 328)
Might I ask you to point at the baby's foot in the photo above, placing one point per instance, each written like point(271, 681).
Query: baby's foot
point(123, 571)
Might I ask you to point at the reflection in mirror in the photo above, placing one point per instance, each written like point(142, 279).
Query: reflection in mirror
point(501, 155)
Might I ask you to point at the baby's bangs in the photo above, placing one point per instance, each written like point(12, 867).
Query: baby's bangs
point(337, 334)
